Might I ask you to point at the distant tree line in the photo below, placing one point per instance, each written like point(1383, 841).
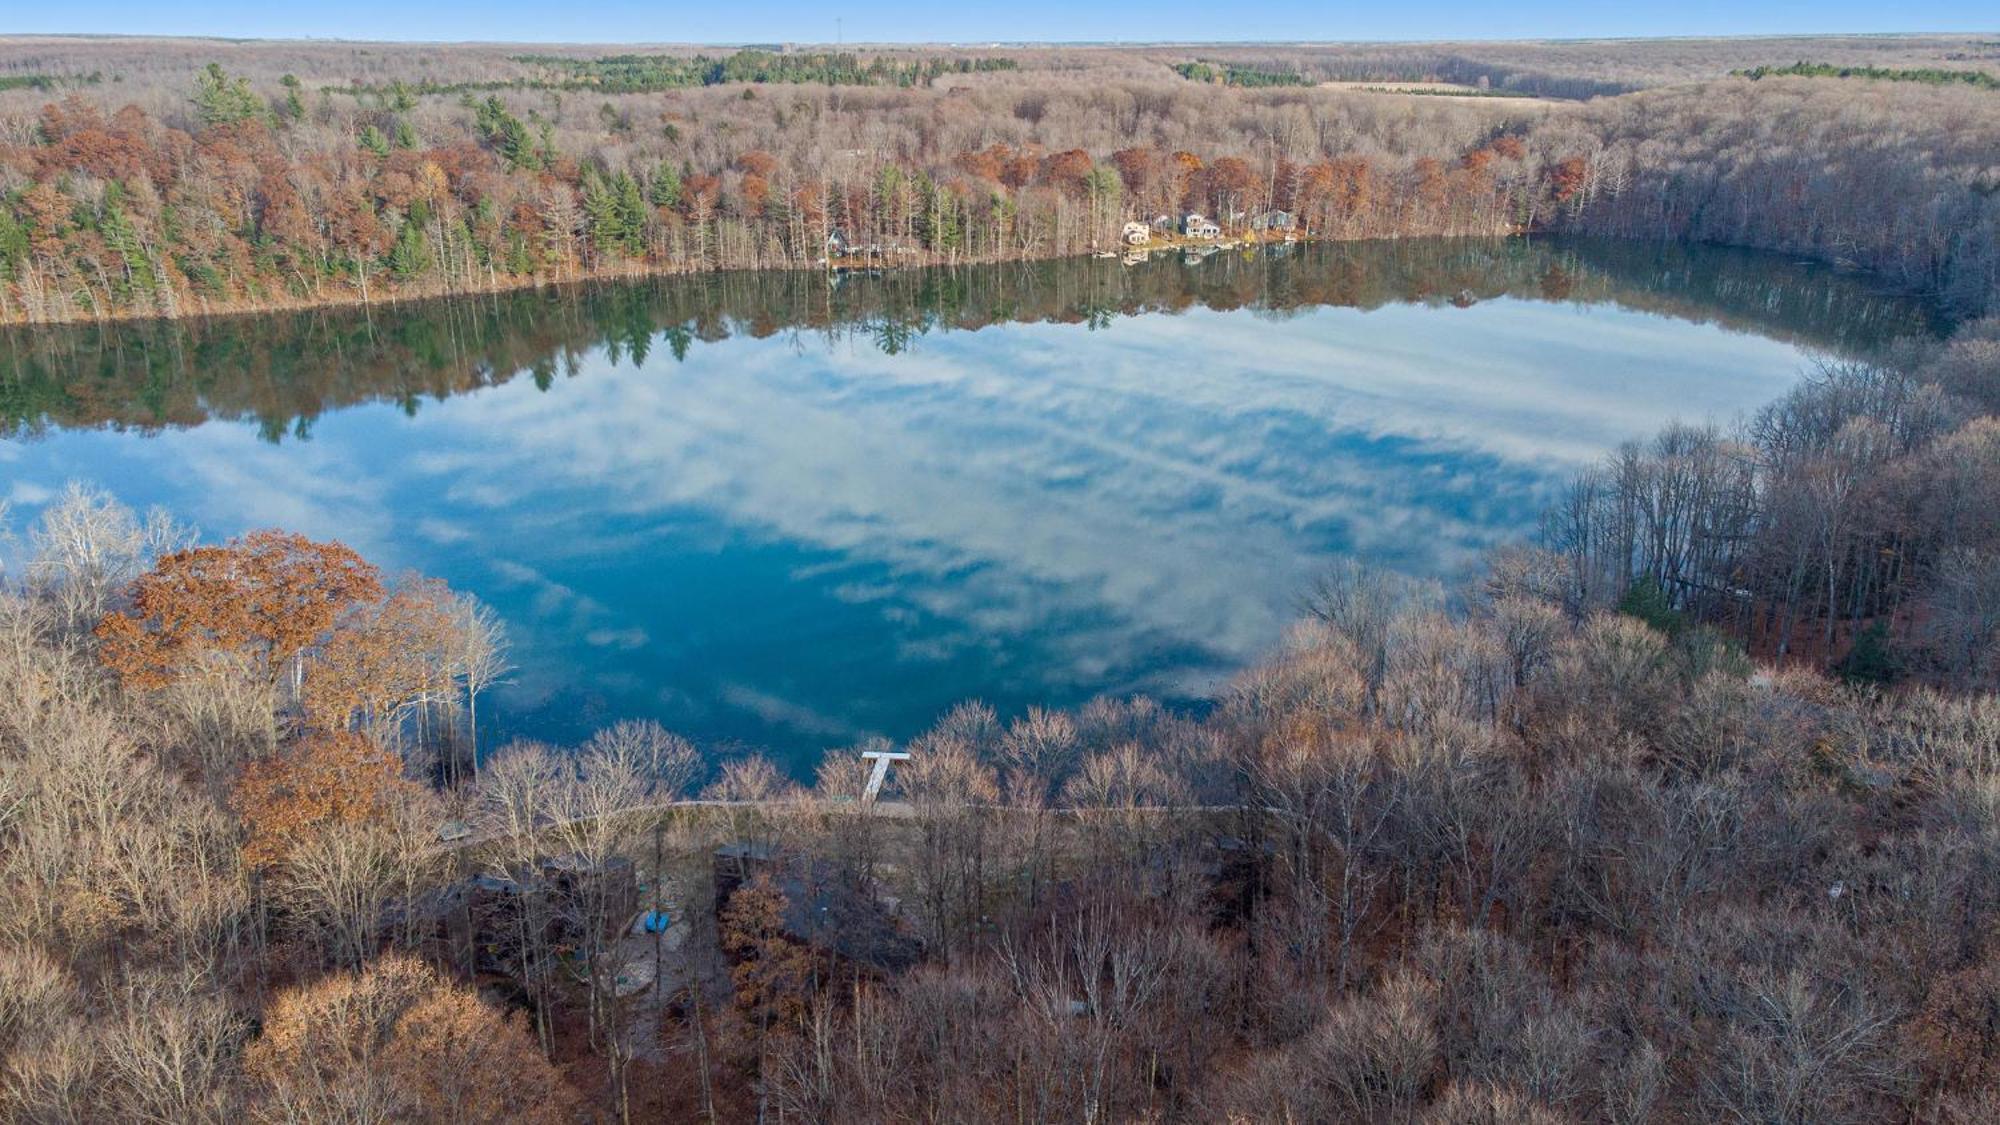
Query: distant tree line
point(642, 73)
point(1238, 74)
point(639, 74)
point(47, 82)
point(1930, 76)
point(248, 197)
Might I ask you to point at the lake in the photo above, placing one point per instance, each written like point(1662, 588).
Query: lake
point(787, 511)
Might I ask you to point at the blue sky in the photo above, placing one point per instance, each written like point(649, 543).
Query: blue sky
point(1035, 20)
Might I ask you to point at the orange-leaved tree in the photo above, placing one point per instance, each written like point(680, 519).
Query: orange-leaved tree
point(327, 778)
point(265, 598)
point(773, 973)
point(385, 658)
point(396, 1042)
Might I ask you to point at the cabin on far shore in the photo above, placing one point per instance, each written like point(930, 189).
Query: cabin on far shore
point(1274, 220)
point(1196, 226)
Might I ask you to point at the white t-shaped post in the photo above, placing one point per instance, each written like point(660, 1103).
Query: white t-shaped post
point(880, 773)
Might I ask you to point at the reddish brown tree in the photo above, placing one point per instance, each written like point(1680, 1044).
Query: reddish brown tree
point(265, 598)
point(328, 778)
point(1137, 167)
point(396, 1042)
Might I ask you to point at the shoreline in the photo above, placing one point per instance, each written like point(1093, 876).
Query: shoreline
point(351, 301)
point(516, 284)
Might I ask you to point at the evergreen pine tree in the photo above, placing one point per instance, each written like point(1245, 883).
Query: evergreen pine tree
point(411, 255)
point(631, 213)
point(519, 261)
point(222, 100)
point(13, 241)
point(123, 239)
point(600, 209)
point(1648, 601)
point(1872, 660)
point(665, 190)
point(295, 106)
point(506, 133)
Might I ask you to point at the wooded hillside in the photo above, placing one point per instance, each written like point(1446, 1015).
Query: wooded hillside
point(1687, 810)
point(137, 178)
point(1556, 848)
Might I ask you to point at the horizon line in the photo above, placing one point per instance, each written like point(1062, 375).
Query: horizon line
point(959, 44)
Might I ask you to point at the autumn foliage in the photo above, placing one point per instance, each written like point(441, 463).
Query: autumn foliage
point(1558, 848)
point(772, 973)
point(398, 1043)
point(327, 779)
point(144, 197)
point(384, 654)
point(264, 599)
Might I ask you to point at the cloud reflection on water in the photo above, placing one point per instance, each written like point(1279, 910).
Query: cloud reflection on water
point(806, 545)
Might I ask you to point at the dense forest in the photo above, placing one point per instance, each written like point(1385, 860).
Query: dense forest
point(187, 187)
point(1684, 811)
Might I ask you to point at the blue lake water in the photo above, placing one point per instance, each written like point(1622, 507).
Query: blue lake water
point(791, 512)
